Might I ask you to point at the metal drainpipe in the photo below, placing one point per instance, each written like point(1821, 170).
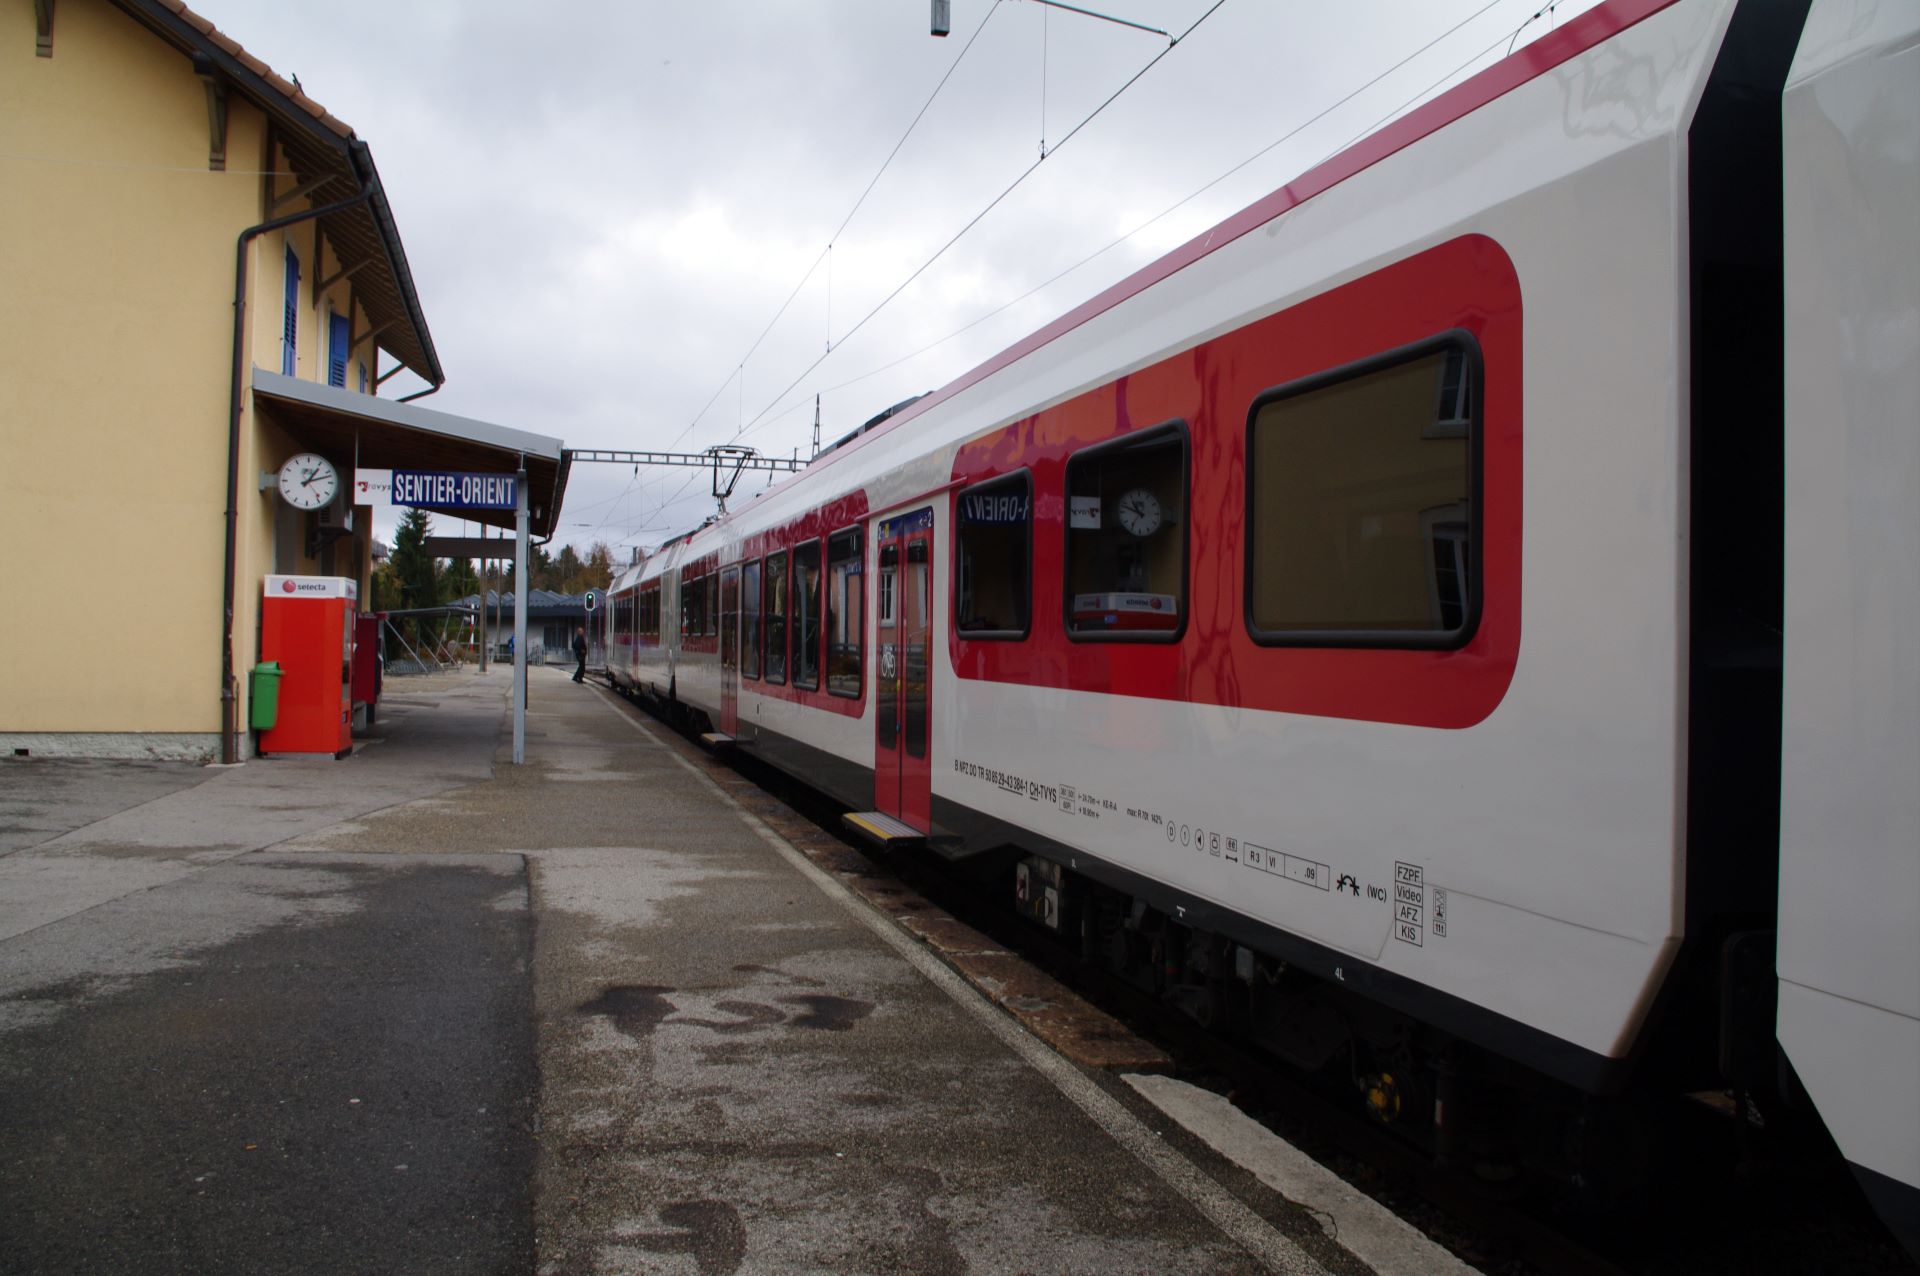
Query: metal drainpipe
point(229, 686)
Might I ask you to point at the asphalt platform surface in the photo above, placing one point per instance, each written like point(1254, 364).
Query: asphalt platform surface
point(422, 1010)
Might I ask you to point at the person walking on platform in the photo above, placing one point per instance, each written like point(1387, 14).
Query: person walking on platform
point(580, 655)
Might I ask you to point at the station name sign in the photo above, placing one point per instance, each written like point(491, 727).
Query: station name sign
point(453, 490)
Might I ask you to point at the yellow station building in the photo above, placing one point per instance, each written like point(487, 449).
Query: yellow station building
point(153, 174)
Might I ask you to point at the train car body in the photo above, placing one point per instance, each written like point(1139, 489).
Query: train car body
point(1377, 602)
point(1849, 949)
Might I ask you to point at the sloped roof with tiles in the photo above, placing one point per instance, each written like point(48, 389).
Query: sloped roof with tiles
point(329, 162)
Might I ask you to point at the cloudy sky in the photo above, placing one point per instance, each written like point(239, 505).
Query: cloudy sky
point(618, 212)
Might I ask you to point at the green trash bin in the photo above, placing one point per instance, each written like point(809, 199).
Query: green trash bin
point(263, 705)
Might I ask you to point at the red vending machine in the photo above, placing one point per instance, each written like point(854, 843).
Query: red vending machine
point(306, 625)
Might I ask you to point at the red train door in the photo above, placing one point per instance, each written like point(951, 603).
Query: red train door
point(903, 685)
point(730, 650)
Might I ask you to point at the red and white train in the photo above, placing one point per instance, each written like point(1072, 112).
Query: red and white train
point(1457, 613)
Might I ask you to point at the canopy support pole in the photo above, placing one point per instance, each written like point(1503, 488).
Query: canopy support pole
point(520, 615)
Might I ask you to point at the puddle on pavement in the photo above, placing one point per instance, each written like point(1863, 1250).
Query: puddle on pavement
point(635, 1009)
point(835, 1014)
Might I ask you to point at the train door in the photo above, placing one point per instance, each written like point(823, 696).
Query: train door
point(903, 688)
point(730, 650)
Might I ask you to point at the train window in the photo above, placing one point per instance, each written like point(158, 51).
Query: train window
point(993, 555)
point(1127, 537)
point(776, 618)
point(806, 615)
point(1360, 509)
point(713, 604)
point(750, 620)
point(846, 612)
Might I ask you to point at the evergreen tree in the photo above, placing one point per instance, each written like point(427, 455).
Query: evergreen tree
point(539, 570)
point(567, 572)
point(415, 569)
point(458, 580)
point(383, 592)
point(599, 566)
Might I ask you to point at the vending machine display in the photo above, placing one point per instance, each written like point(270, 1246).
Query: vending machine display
point(307, 627)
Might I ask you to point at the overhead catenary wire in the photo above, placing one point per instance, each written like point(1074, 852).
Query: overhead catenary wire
point(826, 252)
point(1427, 92)
point(979, 216)
point(762, 419)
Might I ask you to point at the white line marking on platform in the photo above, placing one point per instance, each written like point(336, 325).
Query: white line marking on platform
point(1371, 1231)
point(1242, 1225)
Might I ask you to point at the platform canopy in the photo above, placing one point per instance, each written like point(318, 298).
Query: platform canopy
point(384, 434)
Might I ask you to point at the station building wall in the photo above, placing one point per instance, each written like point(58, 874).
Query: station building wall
point(117, 242)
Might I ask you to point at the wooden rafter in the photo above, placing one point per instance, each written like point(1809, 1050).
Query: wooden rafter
point(303, 190)
point(369, 335)
point(320, 289)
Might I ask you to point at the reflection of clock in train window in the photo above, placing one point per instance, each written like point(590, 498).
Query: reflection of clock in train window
point(1126, 572)
point(1140, 512)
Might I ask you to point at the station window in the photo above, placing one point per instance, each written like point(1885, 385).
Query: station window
point(1360, 510)
point(806, 615)
point(750, 620)
point(338, 337)
point(776, 617)
point(1127, 537)
point(846, 612)
point(994, 557)
point(290, 317)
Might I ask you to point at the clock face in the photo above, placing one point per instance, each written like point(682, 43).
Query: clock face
point(308, 481)
point(1140, 512)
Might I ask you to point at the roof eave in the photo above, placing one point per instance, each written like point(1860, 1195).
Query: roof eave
point(291, 110)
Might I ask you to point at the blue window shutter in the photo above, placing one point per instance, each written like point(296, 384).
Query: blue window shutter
point(337, 351)
point(290, 315)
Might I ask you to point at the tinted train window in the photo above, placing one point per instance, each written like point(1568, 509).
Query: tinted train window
point(776, 618)
point(750, 620)
point(1127, 537)
point(1360, 511)
point(713, 604)
point(846, 612)
point(993, 554)
point(806, 615)
point(693, 593)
